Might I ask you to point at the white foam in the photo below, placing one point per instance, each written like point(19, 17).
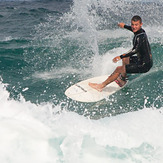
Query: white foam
point(22, 135)
point(103, 65)
point(35, 133)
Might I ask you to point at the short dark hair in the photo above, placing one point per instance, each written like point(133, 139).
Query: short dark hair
point(136, 18)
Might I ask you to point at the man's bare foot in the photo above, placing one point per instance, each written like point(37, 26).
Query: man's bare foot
point(96, 86)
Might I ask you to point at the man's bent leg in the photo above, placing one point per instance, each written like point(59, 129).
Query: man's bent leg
point(110, 79)
point(125, 61)
point(100, 86)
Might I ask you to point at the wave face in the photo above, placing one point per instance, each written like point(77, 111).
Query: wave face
point(46, 46)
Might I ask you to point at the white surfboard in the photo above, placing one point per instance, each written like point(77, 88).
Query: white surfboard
point(84, 93)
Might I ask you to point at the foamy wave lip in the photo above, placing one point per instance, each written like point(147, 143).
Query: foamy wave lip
point(21, 129)
point(8, 38)
point(36, 134)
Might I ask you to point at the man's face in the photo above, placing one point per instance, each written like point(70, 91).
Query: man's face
point(136, 25)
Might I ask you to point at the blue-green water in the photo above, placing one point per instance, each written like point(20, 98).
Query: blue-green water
point(46, 46)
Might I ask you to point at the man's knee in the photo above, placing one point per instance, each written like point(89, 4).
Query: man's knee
point(118, 69)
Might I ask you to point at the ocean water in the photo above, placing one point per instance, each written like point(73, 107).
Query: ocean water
point(45, 47)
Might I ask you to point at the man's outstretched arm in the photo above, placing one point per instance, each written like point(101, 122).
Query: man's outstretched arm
point(123, 25)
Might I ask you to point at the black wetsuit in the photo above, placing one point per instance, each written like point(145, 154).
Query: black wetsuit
point(143, 61)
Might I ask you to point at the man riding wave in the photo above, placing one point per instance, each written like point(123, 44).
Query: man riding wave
point(141, 63)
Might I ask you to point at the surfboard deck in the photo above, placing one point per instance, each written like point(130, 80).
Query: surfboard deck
point(82, 92)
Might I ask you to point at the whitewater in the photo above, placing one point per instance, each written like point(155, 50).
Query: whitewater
point(45, 134)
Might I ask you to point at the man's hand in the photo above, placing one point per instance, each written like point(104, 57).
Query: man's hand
point(121, 25)
point(116, 59)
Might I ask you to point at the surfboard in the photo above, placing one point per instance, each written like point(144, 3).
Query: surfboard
point(82, 92)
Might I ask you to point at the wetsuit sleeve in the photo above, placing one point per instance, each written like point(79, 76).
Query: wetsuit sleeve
point(136, 48)
point(128, 27)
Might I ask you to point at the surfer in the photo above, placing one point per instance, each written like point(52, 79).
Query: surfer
point(141, 63)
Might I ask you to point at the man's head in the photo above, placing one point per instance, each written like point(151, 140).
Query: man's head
point(136, 23)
